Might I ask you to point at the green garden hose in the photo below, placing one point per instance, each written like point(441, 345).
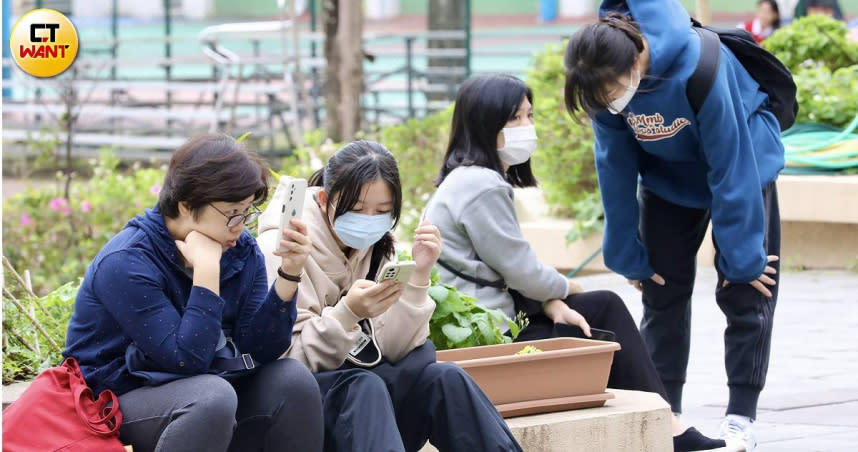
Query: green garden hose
point(812, 148)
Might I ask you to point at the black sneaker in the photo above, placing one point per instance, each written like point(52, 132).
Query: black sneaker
point(693, 440)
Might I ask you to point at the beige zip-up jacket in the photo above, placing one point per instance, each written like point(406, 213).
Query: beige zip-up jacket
point(326, 329)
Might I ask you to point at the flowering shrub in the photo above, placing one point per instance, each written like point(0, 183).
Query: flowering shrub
point(56, 238)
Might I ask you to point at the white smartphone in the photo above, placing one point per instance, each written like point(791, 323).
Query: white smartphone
point(397, 271)
point(293, 204)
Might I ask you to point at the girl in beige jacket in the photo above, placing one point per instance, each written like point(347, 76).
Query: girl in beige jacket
point(367, 342)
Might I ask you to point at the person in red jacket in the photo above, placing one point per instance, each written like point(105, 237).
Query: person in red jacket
point(766, 20)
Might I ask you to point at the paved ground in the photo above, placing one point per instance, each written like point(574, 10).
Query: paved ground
point(811, 399)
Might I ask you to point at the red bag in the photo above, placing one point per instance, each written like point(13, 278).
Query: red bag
point(59, 413)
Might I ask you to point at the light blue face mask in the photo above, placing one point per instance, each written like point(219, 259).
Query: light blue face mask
point(361, 231)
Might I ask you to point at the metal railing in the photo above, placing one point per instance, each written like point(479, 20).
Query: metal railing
point(242, 78)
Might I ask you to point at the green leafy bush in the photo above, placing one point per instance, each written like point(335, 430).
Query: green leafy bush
point(419, 146)
point(816, 38)
point(827, 96)
point(26, 351)
point(563, 162)
point(56, 238)
point(824, 64)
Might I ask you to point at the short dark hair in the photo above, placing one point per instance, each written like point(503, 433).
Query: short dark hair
point(211, 168)
point(828, 4)
point(348, 170)
point(484, 104)
point(597, 55)
point(773, 4)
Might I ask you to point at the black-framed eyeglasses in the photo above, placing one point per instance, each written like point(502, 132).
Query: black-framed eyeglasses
point(235, 220)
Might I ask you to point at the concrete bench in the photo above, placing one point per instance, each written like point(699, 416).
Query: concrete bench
point(819, 226)
point(633, 421)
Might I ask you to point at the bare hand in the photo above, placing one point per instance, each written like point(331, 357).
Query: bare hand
point(656, 278)
point(367, 300)
point(574, 288)
point(560, 312)
point(763, 280)
point(295, 246)
point(199, 249)
point(425, 252)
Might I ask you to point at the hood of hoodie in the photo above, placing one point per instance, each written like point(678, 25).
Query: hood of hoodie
point(152, 224)
point(665, 24)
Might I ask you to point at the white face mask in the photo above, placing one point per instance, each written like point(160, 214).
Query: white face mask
point(620, 103)
point(519, 144)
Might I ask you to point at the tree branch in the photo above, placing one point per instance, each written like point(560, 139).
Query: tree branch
point(32, 320)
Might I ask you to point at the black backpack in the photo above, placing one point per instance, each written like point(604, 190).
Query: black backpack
point(774, 78)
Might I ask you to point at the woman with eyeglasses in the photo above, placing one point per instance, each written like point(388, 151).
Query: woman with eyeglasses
point(176, 317)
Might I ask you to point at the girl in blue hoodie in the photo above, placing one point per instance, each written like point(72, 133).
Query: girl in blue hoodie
point(176, 317)
point(665, 172)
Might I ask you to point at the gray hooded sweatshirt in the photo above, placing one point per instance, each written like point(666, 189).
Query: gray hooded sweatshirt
point(475, 211)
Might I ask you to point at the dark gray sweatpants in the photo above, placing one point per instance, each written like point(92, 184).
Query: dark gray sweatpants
point(275, 409)
point(672, 235)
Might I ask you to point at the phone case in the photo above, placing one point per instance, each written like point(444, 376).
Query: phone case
point(566, 330)
point(397, 271)
point(293, 205)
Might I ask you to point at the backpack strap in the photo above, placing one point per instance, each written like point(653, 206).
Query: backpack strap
point(701, 81)
point(499, 284)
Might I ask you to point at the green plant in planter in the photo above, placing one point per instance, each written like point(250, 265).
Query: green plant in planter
point(459, 321)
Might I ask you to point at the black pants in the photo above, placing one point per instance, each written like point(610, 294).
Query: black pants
point(673, 234)
point(276, 408)
point(632, 368)
point(397, 407)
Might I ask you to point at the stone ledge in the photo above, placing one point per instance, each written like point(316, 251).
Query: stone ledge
point(819, 199)
point(633, 421)
point(819, 226)
point(13, 391)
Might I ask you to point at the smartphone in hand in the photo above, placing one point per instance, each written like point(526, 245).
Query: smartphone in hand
point(293, 204)
point(397, 271)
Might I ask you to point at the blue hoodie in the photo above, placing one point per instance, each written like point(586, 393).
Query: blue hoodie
point(719, 159)
point(138, 290)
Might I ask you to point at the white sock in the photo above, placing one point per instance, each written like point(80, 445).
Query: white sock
point(743, 420)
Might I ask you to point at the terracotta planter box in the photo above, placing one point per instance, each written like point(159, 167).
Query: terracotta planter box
point(570, 373)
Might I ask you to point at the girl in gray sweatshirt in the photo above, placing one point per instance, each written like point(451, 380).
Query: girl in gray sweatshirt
point(492, 138)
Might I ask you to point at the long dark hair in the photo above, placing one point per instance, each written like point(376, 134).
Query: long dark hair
point(484, 104)
point(344, 176)
point(597, 55)
point(210, 168)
